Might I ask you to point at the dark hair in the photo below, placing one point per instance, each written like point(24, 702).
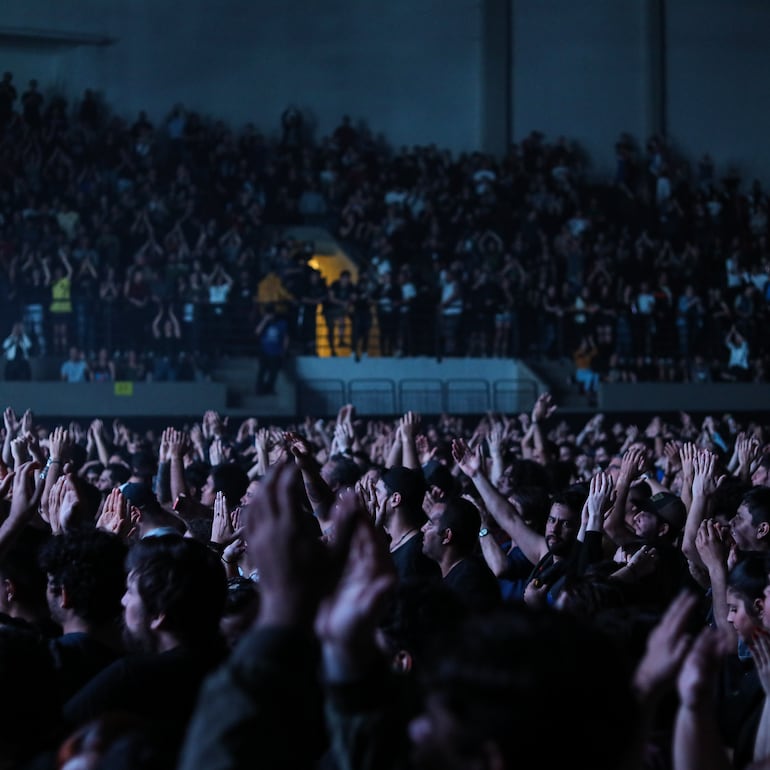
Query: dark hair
point(143, 463)
point(120, 474)
point(89, 564)
point(343, 472)
point(757, 501)
point(528, 473)
point(182, 579)
point(462, 517)
point(535, 504)
point(560, 474)
point(231, 480)
point(20, 565)
point(195, 474)
point(573, 498)
point(748, 579)
point(727, 497)
point(410, 484)
point(242, 593)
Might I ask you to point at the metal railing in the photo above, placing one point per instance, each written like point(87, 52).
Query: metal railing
point(383, 396)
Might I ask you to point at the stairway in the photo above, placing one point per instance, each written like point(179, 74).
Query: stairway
point(240, 375)
point(558, 374)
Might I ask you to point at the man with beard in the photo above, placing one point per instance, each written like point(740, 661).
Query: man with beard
point(550, 552)
point(489, 692)
point(174, 598)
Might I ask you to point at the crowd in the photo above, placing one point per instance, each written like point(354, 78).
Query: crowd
point(107, 224)
point(376, 594)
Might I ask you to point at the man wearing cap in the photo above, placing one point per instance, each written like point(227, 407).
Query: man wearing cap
point(400, 492)
point(658, 523)
point(660, 517)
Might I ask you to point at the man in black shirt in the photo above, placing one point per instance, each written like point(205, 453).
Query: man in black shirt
point(449, 538)
point(400, 492)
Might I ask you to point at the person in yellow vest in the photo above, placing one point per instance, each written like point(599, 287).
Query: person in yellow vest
point(271, 291)
point(60, 308)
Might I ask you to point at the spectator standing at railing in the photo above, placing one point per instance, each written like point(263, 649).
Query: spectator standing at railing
point(273, 343)
point(449, 313)
point(337, 309)
point(75, 368)
point(17, 349)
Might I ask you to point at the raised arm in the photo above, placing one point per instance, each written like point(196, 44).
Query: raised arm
point(697, 741)
point(531, 543)
point(615, 524)
point(410, 423)
point(703, 485)
point(544, 407)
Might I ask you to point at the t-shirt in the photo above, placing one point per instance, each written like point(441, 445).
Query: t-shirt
point(74, 371)
point(271, 340)
point(411, 562)
point(475, 584)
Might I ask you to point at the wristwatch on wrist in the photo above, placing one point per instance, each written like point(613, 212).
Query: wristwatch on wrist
point(483, 532)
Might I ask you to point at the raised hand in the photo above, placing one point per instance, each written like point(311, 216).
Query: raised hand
point(63, 502)
point(59, 444)
point(704, 482)
point(469, 462)
point(221, 526)
point(366, 490)
point(216, 452)
point(598, 501)
point(544, 407)
point(11, 421)
point(409, 425)
point(26, 493)
point(19, 450)
point(284, 546)
point(632, 464)
point(696, 682)
point(667, 645)
point(116, 516)
point(300, 449)
point(713, 548)
point(163, 455)
point(344, 436)
point(495, 439)
point(26, 422)
point(347, 618)
point(177, 443)
point(671, 453)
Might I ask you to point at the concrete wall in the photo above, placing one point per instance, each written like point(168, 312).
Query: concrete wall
point(664, 397)
point(718, 86)
point(580, 70)
point(93, 399)
point(465, 74)
point(411, 70)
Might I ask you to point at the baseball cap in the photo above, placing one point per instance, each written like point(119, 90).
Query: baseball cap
point(409, 483)
point(668, 506)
